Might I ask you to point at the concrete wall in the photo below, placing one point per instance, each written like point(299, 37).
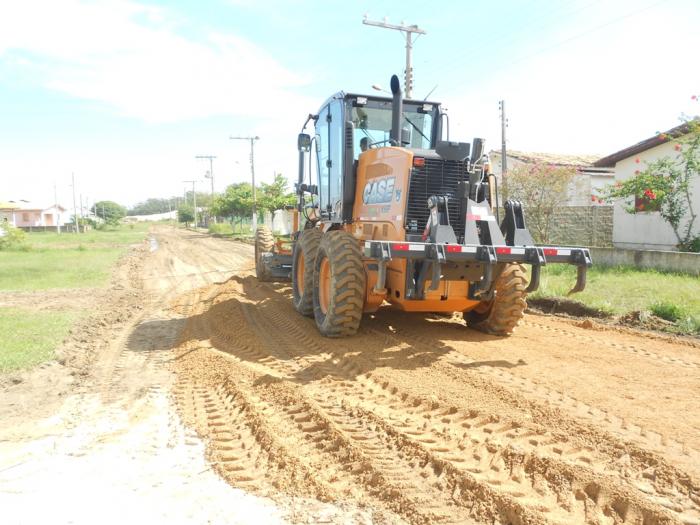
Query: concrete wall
point(660, 260)
point(581, 226)
point(646, 230)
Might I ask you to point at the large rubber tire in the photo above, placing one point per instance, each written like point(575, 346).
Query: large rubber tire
point(501, 315)
point(303, 259)
point(264, 243)
point(339, 285)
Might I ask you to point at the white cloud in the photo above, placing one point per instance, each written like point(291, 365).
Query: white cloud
point(130, 57)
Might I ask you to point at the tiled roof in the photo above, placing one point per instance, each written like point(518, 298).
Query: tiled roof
point(656, 140)
point(550, 158)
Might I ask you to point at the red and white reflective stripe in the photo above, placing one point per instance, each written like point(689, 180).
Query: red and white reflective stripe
point(553, 252)
point(416, 247)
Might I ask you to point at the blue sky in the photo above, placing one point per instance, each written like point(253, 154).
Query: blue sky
point(125, 92)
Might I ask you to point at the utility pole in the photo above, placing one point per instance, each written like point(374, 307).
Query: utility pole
point(211, 169)
point(209, 175)
point(194, 201)
point(408, 32)
point(75, 208)
point(504, 162)
point(252, 174)
point(58, 213)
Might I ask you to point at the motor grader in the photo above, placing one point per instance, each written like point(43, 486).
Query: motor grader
point(397, 215)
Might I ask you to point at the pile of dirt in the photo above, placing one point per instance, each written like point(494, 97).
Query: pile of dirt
point(562, 306)
point(644, 319)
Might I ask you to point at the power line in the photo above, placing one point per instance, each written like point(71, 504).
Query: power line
point(566, 40)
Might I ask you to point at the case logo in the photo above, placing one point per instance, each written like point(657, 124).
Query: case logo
point(379, 191)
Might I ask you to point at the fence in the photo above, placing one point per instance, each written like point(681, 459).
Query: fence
point(581, 226)
point(681, 262)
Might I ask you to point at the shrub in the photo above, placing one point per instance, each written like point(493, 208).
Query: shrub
point(669, 311)
point(221, 229)
point(10, 237)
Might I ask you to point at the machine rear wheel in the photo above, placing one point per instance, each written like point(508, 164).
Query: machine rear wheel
point(339, 285)
point(303, 259)
point(501, 315)
point(264, 243)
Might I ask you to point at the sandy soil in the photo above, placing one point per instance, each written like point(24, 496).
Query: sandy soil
point(416, 419)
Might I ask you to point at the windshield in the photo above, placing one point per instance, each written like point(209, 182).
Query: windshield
point(373, 125)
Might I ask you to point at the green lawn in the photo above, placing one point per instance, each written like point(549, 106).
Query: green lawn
point(622, 289)
point(66, 260)
point(29, 338)
point(122, 235)
point(50, 261)
point(56, 268)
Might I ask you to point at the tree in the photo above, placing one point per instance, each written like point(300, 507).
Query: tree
point(185, 213)
point(275, 196)
point(664, 186)
point(109, 211)
point(542, 188)
point(152, 206)
point(235, 203)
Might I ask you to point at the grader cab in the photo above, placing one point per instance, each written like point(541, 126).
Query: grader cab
point(395, 214)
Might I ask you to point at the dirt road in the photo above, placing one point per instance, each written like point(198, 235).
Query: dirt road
point(416, 419)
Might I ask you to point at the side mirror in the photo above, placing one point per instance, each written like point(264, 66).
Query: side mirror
point(405, 136)
point(304, 142)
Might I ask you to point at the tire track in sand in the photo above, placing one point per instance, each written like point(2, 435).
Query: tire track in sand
point(523, 485)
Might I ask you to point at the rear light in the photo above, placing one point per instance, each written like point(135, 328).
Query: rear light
point(418, 162)
point(548, 252)
point(401, 247)
point(453, 248)
point(503, 251)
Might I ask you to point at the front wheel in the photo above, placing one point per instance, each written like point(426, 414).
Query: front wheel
point(339, 285)
point(303, 258)
point(503, 313)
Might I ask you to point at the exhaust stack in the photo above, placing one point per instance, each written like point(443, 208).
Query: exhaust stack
point(396, 111)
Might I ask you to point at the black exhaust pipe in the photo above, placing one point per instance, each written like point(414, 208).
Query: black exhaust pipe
point(396, 111)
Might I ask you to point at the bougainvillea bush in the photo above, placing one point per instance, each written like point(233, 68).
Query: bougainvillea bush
point(665, 186)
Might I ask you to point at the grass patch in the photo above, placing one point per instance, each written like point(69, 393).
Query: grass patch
point(222, 228)
point(122, 235)
point(65, 268)
point(67, 260)
point(619, 290)
point(28, 338)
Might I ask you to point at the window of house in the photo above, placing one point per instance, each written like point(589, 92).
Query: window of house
point(25, 216)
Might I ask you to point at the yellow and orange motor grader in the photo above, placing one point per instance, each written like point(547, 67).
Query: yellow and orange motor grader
point(398, 215)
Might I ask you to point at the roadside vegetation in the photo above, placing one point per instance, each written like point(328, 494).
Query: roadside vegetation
point(624, 291)
point(29, 338)
point(35, 262)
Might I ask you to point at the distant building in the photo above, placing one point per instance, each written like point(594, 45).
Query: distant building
point(645, 229)
point(168, 215)
point(25, 214)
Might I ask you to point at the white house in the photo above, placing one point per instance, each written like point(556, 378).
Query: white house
point(24, 214)
point(645, 230)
